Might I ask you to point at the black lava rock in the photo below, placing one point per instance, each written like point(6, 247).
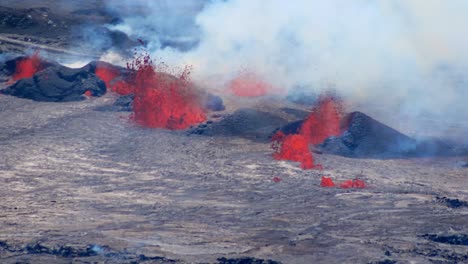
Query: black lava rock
point(58, 84)
point(213, 103)
point(461, 239)
point(452, 203)
point(366, 137)
point(247, 123)
point(123, 104)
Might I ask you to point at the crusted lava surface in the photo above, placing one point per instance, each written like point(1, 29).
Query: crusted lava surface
point(74, 176)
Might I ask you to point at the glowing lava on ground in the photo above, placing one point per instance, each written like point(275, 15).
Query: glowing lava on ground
point(327, 182)
point(247, 84)
point(323, 122)
point(356, 183)
point(27, 67)
point(293, 148)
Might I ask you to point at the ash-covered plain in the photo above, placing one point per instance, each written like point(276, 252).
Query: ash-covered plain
point(109, 191)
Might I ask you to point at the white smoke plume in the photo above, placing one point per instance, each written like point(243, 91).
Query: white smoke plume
point(396, 60)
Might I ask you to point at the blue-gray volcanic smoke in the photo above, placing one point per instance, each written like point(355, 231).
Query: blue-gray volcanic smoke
point(403, 60)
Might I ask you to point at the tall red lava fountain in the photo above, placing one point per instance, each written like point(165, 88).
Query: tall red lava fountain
point(324, 121)
point(293, 148)
point(27, 67)
point(162, 100)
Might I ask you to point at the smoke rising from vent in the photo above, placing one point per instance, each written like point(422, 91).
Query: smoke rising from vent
point(398, 60)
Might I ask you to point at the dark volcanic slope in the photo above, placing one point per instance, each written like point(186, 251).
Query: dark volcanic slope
point(367, 137)
point(247, 123)
point(58, 84)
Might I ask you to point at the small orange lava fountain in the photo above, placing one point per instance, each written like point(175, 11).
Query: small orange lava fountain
point(247, 84)
point(27, 67)
point(293, 148)
point(324, 121)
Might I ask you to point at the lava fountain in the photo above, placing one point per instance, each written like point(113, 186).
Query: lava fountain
point(27, 67)
point(324, 120)
point(247, 84)
point(161, 100)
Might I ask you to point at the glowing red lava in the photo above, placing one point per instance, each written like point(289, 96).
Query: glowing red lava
point(324, 121)
point(162, 100)
point(277, 179)
point(27, 67)
point(110, 75)
point(356, 183)
point(293, 148)
point(327, 182)
point(247, 84)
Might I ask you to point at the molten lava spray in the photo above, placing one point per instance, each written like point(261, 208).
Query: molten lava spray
point(27, 67)
point(327, 182)
point(324, 121)
point(293, 148)
point(247, 84)
point(356, 183)
point(110, 76)
point(162, 100)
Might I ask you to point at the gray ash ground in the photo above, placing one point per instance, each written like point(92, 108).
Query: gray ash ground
point(73, 176)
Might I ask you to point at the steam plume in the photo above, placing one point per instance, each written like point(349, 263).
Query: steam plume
point(402, 59)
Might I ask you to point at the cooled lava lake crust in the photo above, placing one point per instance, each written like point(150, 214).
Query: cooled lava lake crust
point(74, 176)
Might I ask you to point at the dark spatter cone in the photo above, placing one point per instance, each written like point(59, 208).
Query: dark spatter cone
point(365, 137)
point(91, 67)
point(461, 239)
point(8, 67)
point(246, 122)
point(58, 84)
point(290, 128)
